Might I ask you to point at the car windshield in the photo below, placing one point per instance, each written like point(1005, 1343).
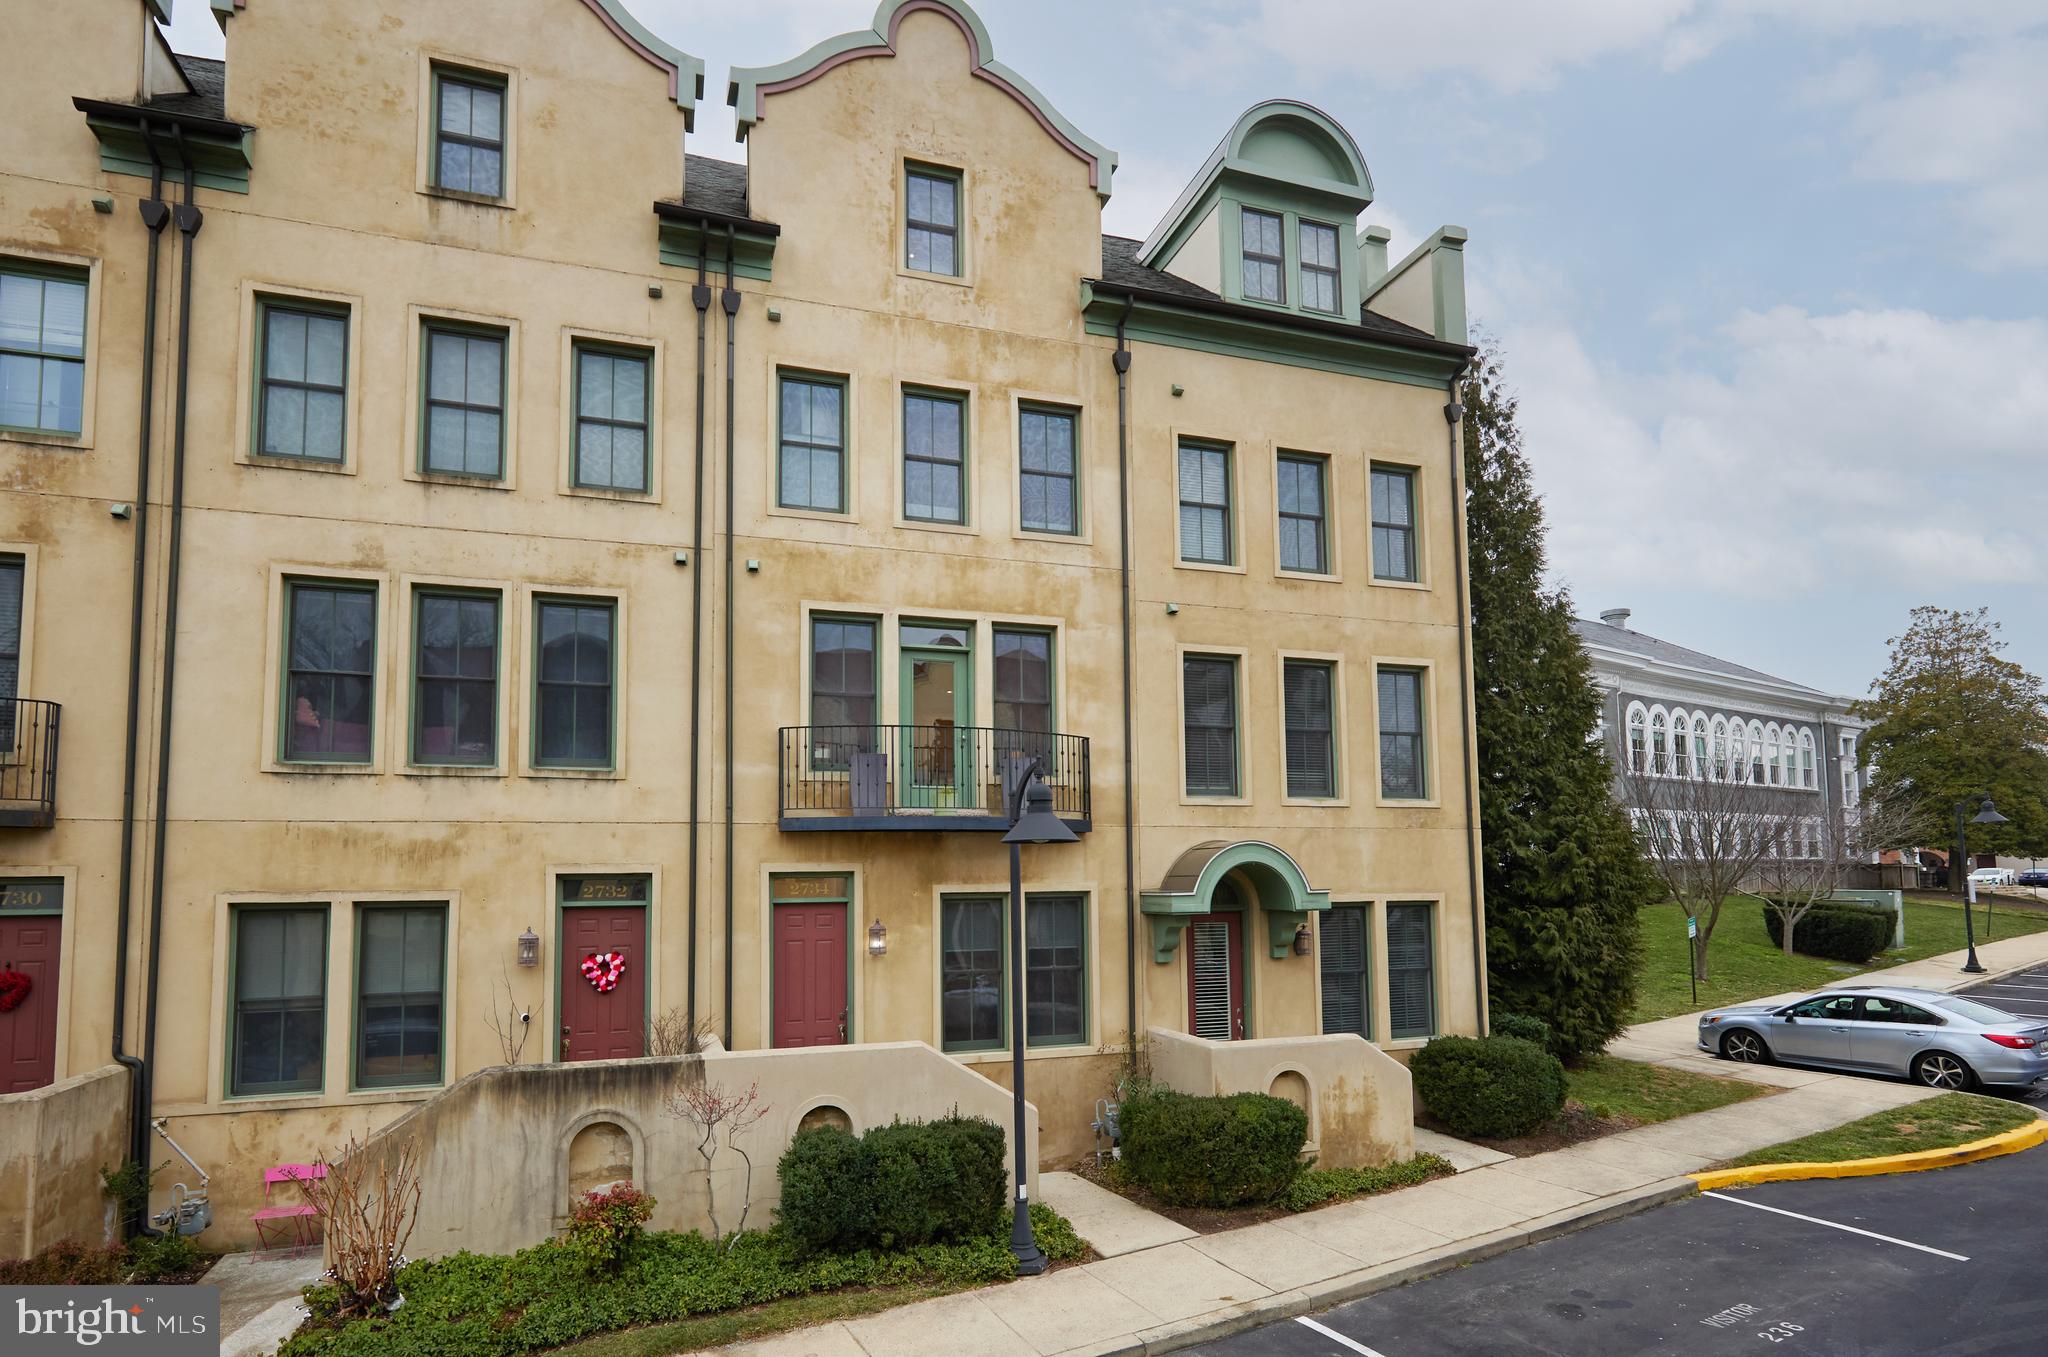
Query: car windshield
point(1976, 1012)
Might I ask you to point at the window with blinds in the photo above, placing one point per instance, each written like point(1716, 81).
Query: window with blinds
point(1209, 950)
point(1308, 700)
point(1302, 526)
point(1411, 969)
point(1346, 938)
point(1209, 703)
point(1393, 524)
point(1205, 504)
point(12, 570)
point(1403, 773)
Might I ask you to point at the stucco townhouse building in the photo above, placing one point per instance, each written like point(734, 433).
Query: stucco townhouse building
point(462, 556)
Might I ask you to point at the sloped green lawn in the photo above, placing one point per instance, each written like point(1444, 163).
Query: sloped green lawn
point(1935, 1124)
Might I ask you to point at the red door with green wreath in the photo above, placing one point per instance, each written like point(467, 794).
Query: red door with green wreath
point(31, 933)
point(604, 974)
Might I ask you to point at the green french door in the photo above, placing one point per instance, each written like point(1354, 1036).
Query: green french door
point(937, 763)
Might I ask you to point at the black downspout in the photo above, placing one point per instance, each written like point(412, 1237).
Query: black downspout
point(1454, 416)
point(700, 297)
point(730, 300)
point(1122, 361)
point(189, 220)
point(154, 217)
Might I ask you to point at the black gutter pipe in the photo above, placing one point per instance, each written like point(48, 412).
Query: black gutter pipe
point(154, 218)
point(730, 301)
point(189, 219)
point(1122, 361)
point(1454, 417)
point(700, 297)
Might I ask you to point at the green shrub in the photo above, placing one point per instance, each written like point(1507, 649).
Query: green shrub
point(827, 1201)
point(1316, 1187)
point(1493, 1087)
point(1527, 1028)
point(68, 1263)
point(1212, 1151)
point(1835, 930)
point(898, 1186)
point(604, 1226)
point(165, 1258)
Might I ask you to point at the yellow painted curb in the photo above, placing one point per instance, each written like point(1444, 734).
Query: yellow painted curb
point(2006, 1142)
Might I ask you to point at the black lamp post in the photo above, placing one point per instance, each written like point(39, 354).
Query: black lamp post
point(1031, 821)
point(1987, 814)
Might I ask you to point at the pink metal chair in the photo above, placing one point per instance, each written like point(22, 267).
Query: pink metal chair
point(274, 1222)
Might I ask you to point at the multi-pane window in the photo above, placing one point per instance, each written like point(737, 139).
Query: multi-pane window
point(1209, 709)
point(934, 457)
point(1265, 259)
point(1411, 970)
point(1403, 771)
point(399, 977)
point(1302, 515)
point(932, 221)
point(575, 677)
point(469, 134)
point(971, 973)
point(1346, 964)
point(843, 703)
point(1319, 269)
point(42, 348)
point(305, 383)
point(280, 996)
point(465, 424)
point(811, 473)
point(1045, 456)
point(12, 572)
point(1055, 970)
point(455, 679)
point(1023, 690)
point(1308, 704)
point(1393, 523)
point(612, 410)
point(1205, 503)
point(330, 659)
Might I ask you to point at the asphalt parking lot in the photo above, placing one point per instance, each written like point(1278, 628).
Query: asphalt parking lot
point(2025, 994)
point(1923, 1264)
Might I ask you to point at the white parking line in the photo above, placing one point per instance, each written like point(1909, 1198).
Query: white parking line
point(1336, 1337)
point(1836, 1225)
point(2023, 983)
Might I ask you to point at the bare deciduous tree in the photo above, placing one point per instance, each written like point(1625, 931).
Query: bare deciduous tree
point(1704, 835)
point(368, 1205)
point(671, 1033)
point(1820, 853)
point(513, 1024)
point(718, 1114)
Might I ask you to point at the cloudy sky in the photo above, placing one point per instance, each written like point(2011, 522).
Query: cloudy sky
point(1771, 276)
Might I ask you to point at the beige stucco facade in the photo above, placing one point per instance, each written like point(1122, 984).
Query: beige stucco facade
point(340, 211)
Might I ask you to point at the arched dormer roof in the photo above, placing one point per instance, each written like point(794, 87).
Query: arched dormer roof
point(750, 86)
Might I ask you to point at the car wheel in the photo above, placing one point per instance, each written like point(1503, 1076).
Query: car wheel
point(1939, 1069)
point(1746, 1047)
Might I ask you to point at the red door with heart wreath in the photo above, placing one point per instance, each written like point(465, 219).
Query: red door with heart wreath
point(607, 1024)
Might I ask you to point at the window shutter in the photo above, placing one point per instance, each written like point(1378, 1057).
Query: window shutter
point(1345, 982)
point(1210, 942)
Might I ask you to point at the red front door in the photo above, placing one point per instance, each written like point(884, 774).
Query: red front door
point(810, 975)
point(611, 1025)
point(1215, 946)
point(28, 1035)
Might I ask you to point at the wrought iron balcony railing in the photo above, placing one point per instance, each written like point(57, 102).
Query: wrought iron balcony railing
point(28, 763)
point(922, 777)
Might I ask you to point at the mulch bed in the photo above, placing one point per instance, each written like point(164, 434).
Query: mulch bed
point(1200, 1219)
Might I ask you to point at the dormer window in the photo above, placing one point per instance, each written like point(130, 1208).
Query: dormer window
point(932, 221)
point(1264, 256)
point(1320, 272)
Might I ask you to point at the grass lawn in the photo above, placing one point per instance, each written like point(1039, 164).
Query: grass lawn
point(1743, 963)
point(1936, 1124)
point(1612, 1087)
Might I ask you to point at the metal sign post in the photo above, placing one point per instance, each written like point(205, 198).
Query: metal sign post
point(1692, 964)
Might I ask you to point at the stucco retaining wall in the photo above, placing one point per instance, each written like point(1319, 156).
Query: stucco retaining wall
point(1361, 1109)
point(53, 1143)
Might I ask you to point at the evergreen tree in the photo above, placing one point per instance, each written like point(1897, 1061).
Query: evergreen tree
point(1564, 878)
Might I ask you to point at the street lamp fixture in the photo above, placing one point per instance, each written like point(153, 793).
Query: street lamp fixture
point(1987, 814)
point(1032, 820)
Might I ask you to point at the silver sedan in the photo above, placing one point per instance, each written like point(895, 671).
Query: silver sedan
point(1941, 1040)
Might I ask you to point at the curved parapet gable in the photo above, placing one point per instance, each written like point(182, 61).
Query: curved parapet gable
point(1300, 144)
point(685, 72)
point(750, 86)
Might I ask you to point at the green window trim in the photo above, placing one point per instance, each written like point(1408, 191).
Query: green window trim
point(43, 350)
point(1401, 699)
point(1056, 969)
point(336, 681)
point(1303, 500)
point(1049, 469)
point(980, 982)
point(833, 743)
point(1207, 516)
point(1262, 251)
point(575, 683)
point(406, 999)
point(1212, 729)
point(618, 427)
point(931, 219)
point(461, 411)
point(1308, 702)
point(464, 148)
point(1411, 966)
point(1321, 270)
point(307, 390)
point(472, 676)
point(1393, 524)
point(1020, 704)
point(245, 1015)
point(932, 458)
point(810, 449)
point(1344, 967)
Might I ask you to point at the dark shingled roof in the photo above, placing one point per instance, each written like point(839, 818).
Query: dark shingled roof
point(715, 186)
point(1650, 648)
point(208, 99)
point(1120, 266)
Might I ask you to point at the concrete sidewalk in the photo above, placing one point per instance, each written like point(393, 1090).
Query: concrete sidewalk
point(1157, 1297)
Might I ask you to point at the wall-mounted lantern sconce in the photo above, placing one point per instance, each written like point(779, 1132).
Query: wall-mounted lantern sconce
point(529, 948)
point(1302, 941)
point(878, 939)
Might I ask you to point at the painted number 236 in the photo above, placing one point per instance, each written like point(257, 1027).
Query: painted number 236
point(1778, 1333)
